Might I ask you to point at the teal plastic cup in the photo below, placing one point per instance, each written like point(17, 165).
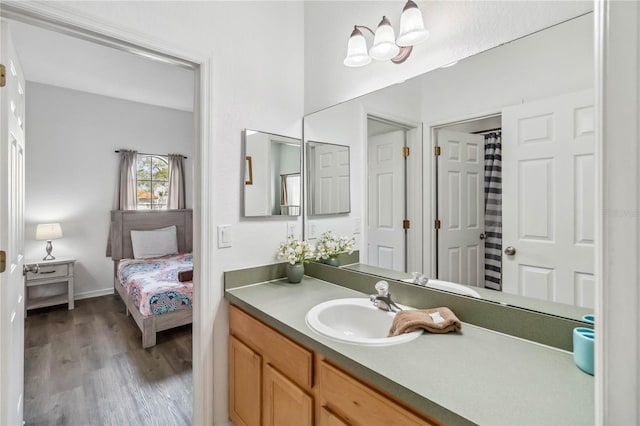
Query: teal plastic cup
point(589, 318)
point(583, 339)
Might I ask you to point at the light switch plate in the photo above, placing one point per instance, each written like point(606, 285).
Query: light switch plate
point(292, 228)
point(224, 236)
point(357, 223)
point(313, 230)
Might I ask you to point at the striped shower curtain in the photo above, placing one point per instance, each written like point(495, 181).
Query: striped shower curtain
point(493, 211)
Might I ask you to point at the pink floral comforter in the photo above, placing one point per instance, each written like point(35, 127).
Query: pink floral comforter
point(153, 286)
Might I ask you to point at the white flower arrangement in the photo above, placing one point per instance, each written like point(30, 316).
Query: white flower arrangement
point(295, 251)
point(331, 245)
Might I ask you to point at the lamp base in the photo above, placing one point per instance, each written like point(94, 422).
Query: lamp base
point(49, 256)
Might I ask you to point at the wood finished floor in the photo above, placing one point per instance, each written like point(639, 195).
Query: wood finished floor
point(87, 367)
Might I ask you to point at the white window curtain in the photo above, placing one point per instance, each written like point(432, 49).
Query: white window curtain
point(126, 192)
point(175, 199)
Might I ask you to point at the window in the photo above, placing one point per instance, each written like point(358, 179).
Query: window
point(152, 182)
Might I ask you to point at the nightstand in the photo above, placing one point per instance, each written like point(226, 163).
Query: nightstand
point(49, 272)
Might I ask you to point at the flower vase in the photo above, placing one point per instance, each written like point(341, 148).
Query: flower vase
point(295, 272)
point(333, 261)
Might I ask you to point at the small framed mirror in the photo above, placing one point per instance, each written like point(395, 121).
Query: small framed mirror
point(328, 177)
point(272, 184)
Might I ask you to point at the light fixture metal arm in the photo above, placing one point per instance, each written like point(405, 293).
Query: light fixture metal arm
point(364, 27)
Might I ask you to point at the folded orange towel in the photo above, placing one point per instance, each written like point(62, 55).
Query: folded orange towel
point(437, 320)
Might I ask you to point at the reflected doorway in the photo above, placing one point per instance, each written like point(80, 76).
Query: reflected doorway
point(388, 224)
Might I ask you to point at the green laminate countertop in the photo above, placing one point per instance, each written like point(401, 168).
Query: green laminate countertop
point(477, 376)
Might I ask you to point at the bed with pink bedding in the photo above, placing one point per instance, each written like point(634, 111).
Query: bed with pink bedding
point(152, 285)
point(147, 280)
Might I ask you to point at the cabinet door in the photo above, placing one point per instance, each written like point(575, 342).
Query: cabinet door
point(328, 418)
point(285, 404)
point(244, 384)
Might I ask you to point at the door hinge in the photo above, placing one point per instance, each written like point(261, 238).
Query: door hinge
point(436, 151)
point(406, 224)
point(405, 151)
point(3, 260)
point(3, 75)
point(436, 225)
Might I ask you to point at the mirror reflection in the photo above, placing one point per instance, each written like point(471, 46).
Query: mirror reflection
point(272, 174)
point(496, 189)
point(328, 178)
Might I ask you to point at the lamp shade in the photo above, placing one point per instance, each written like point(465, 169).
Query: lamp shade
point(48, 231)
point(384, 43)
point(412, 29)
point(357, 55)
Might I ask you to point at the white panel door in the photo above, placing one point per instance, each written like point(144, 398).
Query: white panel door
point(12, 108)
point(331, 192)
point(461, 207)
point(548, 203)
point(386, 198)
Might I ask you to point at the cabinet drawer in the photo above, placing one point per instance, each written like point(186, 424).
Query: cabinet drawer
point(355, 403)
point(293, 360)
point(49, 271)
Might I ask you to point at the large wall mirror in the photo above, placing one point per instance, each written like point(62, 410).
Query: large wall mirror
point(328, 184)
point(272, 181)
point(481, 173)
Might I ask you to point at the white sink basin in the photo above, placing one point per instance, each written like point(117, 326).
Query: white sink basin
point(355, 321)
point(449, 286)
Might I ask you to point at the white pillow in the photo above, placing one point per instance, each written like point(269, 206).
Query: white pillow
point(154, 243)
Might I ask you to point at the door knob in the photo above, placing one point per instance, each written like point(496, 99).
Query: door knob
point(483, 236)
point(510, 251)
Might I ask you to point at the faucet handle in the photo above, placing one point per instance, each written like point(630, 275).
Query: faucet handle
point(382, 287)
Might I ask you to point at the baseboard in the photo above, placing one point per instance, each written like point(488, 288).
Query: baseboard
point(94, 293)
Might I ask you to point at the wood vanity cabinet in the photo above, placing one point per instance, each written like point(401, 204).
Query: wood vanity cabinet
point(270, 376)
point(274, 381)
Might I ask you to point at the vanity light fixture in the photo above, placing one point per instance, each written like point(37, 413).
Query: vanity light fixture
point(385, 45)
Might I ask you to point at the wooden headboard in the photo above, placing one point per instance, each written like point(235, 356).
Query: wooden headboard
point(124, 221)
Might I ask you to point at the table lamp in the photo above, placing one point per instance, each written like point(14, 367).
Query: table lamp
point(48, 232)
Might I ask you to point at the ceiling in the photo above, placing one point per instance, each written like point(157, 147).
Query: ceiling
point(49, 57)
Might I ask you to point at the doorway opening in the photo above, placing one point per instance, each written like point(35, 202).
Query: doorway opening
point(469, 202)
point(198, 124)
point(392, 224)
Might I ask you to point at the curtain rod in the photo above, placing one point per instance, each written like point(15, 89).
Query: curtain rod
point(144, 153)
point(487, 131)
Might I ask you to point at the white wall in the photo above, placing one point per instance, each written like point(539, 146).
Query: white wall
point(552, 62)
point(71, 169)
point(618, 303)
point(458, 30)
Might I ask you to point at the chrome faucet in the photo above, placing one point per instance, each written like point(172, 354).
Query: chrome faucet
point(420, 279)
point(382, 300)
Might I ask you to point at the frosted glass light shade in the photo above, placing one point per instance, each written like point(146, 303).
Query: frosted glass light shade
point(384, 44)
point(48, 231)
point(412, 29)
point(357, 55)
